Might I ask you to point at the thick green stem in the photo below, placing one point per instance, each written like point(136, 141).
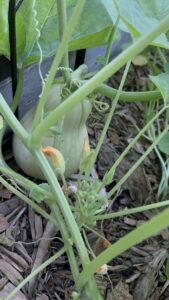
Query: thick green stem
point(24, 182)
point(56, 189)
point(63, 204)
point(12, 121)
point(162, 56)
point(57, 60)
point(36, 272)
point(98, 79)
point(138, 235)
point(69, 218)
point(66, 238)
point(129, 96)
point(62, 18)
point(130, 211)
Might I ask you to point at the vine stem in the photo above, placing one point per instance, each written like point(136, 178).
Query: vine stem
point(36, 272)
point(139, 161)
point(109, 117)
point(13, 122)
point(95, 82)
point(35, 206)
point(130, 211)
point(57, 60)
point(69, 218)
point(56, 192)
point(109, 175)
point(62, 18)
point(129, 96)
point(148, 229)
point(5, 169)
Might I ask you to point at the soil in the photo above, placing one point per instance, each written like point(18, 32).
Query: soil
point(138, 274)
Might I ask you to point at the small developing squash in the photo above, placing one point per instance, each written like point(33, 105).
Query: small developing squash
point(67, 136)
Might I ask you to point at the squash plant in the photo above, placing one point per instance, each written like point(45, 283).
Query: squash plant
point(56, 128)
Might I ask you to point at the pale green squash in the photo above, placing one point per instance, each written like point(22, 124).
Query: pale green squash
point(70, 141)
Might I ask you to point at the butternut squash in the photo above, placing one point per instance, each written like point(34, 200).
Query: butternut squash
point(67, 136)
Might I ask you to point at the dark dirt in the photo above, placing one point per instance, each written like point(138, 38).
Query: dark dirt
point(139, 273)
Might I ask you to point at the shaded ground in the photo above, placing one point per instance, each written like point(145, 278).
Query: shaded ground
point(139, 273)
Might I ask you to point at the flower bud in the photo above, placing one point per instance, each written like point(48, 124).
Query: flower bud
point(103, 270)
point(56, 157)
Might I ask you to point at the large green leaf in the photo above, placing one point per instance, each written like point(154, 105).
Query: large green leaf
point(4, 31)
point(164, 144)
point(93, 27)
point(4, 42)
point(162, 83)
point(141, 16)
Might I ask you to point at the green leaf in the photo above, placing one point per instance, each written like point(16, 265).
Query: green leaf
point(166, 68)
point(101, 60)
point(37, 195)
point(4, 31)
point(89, 32)
point(141, 16)
point(162, 83)
point(164, 144)
point(85, 165)
point(4, 41)
point(1, 122)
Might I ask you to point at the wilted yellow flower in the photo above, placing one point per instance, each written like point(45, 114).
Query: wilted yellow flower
point(56, 157)
point(86, 147)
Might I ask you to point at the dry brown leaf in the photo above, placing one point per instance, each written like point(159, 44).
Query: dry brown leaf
point(5, 194)
point(6, 239)
point(3, 223)
point(3, 282)
point(11, 262)
point(15, 258)
point(21, 249)
point(9, 287)
point(38, 227)
point(49, 232)
point(114, 137)
point(32, 223)
point(130, 221)
point(42, 297)
point(10, 272)
point(121, 292)
point(6, 207)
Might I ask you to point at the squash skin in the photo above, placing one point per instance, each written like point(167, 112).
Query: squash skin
point(69, 142)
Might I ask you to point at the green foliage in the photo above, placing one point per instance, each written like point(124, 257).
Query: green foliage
point(84, 35)
point(4, 32)
point(1, 122)
point(161, 82)
point(164, 144)
point(36, 195)
point(140, 16)
point(89, 202)
point(101, 60)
